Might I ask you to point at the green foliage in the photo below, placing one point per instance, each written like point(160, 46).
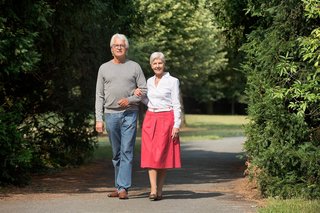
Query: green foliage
point(15, 152)
point(191, 42)
point(59, 140)
point(283, 89)
point(230, 15)
point(19, 34)
point(50, 52)
point(19, 58)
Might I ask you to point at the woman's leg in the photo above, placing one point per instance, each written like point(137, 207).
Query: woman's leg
point(153, 180)
point(160, 180)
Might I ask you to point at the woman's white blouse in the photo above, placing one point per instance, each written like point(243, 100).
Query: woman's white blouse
point(165, 96)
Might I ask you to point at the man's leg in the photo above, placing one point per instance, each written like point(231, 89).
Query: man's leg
point(113, 122)
point(128, 138)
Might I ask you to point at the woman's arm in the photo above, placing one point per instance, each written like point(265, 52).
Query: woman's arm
point(144, 99)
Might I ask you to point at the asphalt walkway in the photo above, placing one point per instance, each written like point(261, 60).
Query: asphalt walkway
point(204, 184)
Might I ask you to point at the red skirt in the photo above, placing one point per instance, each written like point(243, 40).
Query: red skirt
point(158, 149)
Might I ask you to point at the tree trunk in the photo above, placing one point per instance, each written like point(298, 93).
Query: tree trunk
point(209, 106)
point(232, 107)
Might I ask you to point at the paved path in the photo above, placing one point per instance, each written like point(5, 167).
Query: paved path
point(204, 184)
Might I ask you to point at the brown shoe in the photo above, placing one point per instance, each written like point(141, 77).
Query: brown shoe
point(113, 194)
point(123, 194)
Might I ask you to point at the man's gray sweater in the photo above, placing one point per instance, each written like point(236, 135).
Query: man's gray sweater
point(117, 81)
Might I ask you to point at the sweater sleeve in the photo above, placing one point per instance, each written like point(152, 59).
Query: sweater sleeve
point(99, 97)
point(140, 83)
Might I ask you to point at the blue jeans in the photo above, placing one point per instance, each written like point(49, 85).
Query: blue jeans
point(122, 128)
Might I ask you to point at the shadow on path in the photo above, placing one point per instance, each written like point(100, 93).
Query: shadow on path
point(201, 165)
point(180, 194)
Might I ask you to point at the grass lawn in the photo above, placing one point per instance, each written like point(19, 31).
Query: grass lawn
point(210, 127)
point(198, 127)
point(291, 206)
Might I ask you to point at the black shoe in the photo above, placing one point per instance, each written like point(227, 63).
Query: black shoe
point(153, 197)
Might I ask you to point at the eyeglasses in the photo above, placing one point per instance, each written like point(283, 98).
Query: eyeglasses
point(121, 46)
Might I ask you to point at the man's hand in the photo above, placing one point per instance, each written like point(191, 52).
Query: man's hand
point(99, 126)
point(124, 102)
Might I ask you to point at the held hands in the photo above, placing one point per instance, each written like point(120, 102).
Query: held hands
point(175, 133)
point(99, 126)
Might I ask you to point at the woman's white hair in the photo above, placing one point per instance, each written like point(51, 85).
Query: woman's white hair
point(157, 55)
point(120, 36)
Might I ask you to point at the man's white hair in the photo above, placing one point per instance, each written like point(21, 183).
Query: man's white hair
point(120, 36)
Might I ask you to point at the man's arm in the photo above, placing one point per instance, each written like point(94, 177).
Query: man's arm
point(141, 83)
point(99, 98)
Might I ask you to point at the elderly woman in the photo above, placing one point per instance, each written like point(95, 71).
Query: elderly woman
point(160, 147)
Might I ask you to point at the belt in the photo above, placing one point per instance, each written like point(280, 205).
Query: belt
point(160, 109)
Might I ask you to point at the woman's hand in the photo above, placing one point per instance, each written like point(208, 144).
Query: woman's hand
point(137, 92)
point(175, 133)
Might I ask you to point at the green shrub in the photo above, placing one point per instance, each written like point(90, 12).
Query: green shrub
point(15, 153)
point(60, 140)
point(283, 89)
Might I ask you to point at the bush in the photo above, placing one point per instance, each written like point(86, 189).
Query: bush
point(283, 89)
point(60, 141)
point(15, 152)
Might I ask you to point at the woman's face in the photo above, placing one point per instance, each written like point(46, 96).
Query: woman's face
point(157, 66)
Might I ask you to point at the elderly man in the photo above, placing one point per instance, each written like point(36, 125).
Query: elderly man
point(115, 101)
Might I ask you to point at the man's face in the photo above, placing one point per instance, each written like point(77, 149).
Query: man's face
point(119, 48)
